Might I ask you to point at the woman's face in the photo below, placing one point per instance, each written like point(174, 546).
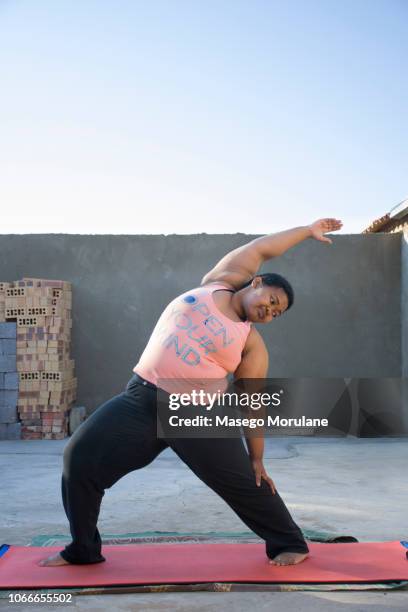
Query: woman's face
point(263, 303)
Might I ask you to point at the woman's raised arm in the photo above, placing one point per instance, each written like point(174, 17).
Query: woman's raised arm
point(240, 265)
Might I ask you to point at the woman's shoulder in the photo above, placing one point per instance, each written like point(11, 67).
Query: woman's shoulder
point(217, 284)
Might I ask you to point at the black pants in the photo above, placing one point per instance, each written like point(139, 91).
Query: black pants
point(120, 436)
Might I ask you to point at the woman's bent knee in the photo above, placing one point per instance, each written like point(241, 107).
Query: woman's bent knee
point(78, 458)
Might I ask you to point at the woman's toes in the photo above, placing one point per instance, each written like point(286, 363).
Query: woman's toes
point(53, 561)
point(288, 558)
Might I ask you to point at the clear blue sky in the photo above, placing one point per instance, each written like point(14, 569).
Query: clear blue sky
point(212, 116)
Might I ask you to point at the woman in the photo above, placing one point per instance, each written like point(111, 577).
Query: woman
point(207, 332)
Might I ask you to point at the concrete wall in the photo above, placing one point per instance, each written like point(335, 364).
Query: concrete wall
point(346, 321)
point(404, 319)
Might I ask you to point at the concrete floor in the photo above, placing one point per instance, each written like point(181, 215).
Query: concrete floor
point(342, 485)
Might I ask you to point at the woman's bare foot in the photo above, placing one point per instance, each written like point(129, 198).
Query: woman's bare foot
point(288, 558)
point(53, 561)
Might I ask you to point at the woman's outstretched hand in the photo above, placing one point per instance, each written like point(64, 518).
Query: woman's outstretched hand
point(260, 472)
point(323, 226)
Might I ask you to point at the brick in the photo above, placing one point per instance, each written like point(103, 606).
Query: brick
point(29, 376)
point(10, 431)
point(13, 313)
point(8, 346)
point(15, 292)
point(33, 396)
point(38, 321)
point(8, 398)
point(11, 380)
point(38, 310)
point(58, 436)
point(33, 421)
point(8, 330)
point(28, 414)
point(8, 363)
point(8, 414)
point(47, 282)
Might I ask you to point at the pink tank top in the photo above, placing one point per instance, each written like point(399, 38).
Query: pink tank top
point(193, 339)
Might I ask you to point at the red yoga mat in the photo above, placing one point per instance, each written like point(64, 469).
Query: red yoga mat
point(144, 564)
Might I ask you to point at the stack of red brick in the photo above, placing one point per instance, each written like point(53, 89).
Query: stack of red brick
point(47, 385)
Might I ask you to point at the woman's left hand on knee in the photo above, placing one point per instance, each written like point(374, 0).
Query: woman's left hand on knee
point(260, 473)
